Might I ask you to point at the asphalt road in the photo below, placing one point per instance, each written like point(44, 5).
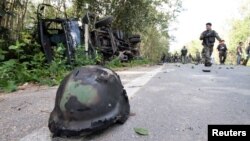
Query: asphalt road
point(27, 111)
point(174, 102)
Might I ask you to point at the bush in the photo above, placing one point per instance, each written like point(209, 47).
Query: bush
point(154, 45)
point(114, 63)
point(30, 65)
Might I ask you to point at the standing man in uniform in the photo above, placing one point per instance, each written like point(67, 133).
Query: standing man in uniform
point(239, 52)
point(248, 54)
point(222, 48)
point(176, 57)
point(184, 52)
point(190, 57)
point(208, 40)
point(198, 57)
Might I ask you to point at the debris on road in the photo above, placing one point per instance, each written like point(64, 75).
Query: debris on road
point(21, 106)
point(135, 86)
point(1, 100)
point(132, 114)
point(190, 128)
point(23, 87)
point(206, 70)
point(141, 131)
point(43, 111)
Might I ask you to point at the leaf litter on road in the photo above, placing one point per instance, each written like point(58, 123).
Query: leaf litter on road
point(141, 131)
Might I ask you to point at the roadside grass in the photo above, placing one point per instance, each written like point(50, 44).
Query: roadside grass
point(116, 63)
point(15, 73)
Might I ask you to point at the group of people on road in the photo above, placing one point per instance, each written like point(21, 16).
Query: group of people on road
point(208, 39)
point(176, 58)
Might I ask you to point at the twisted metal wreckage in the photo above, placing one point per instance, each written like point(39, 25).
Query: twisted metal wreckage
point(71, 32)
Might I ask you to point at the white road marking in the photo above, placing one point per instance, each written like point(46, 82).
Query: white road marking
point(43, 134)
point(133, 72)
point(135, 85)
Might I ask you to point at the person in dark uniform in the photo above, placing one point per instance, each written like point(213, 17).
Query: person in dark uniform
point(190, 58)
point(176, 57)
point(184, 52)
point(222, 48)
point(248, 54)
point(239, 53)
point(198, 57)
point(208, 39)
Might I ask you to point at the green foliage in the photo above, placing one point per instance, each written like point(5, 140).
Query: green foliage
point(135, 15)
point(141, 131)
point(154, 45)
point(28, 68)
point(8, 86)
point(33, 68)
point(194, 46)
point(139, 62)
point(82, 59)
point(13, 72)
point(114, 63)
point(2, 54)
point(139, 16)
point(240, 31)
point(21, 59)
point(117, 63)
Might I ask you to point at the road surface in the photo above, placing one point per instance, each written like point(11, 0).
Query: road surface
point(174, 102)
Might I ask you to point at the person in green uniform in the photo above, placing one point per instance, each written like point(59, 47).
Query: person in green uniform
point(208, 39)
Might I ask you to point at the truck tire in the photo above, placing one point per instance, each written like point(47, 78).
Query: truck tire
point(135, 36)
point(135, 40)
point(103, 22)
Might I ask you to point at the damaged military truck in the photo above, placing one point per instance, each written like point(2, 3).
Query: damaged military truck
point(72, 33)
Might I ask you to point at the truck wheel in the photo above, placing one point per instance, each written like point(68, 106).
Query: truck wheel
point(134, 40)
point(103, 22)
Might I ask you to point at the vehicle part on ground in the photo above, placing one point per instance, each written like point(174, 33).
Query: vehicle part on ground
point(89, 99)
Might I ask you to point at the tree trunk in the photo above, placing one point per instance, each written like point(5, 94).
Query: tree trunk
point(24, 14)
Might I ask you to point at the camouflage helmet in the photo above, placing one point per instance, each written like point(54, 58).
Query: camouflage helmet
point(89, 99)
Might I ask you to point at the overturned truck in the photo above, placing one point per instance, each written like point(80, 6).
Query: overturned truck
point(94, 35)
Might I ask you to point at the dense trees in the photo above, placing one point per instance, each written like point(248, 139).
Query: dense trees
point(21, 59)
point(12, 17)
point(132, 16)
point(240, 30)
point(140, 16)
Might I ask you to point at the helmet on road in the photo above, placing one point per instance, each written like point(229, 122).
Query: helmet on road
point(89, 99)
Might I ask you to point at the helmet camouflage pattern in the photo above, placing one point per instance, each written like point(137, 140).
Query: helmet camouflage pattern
point(89, 99)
